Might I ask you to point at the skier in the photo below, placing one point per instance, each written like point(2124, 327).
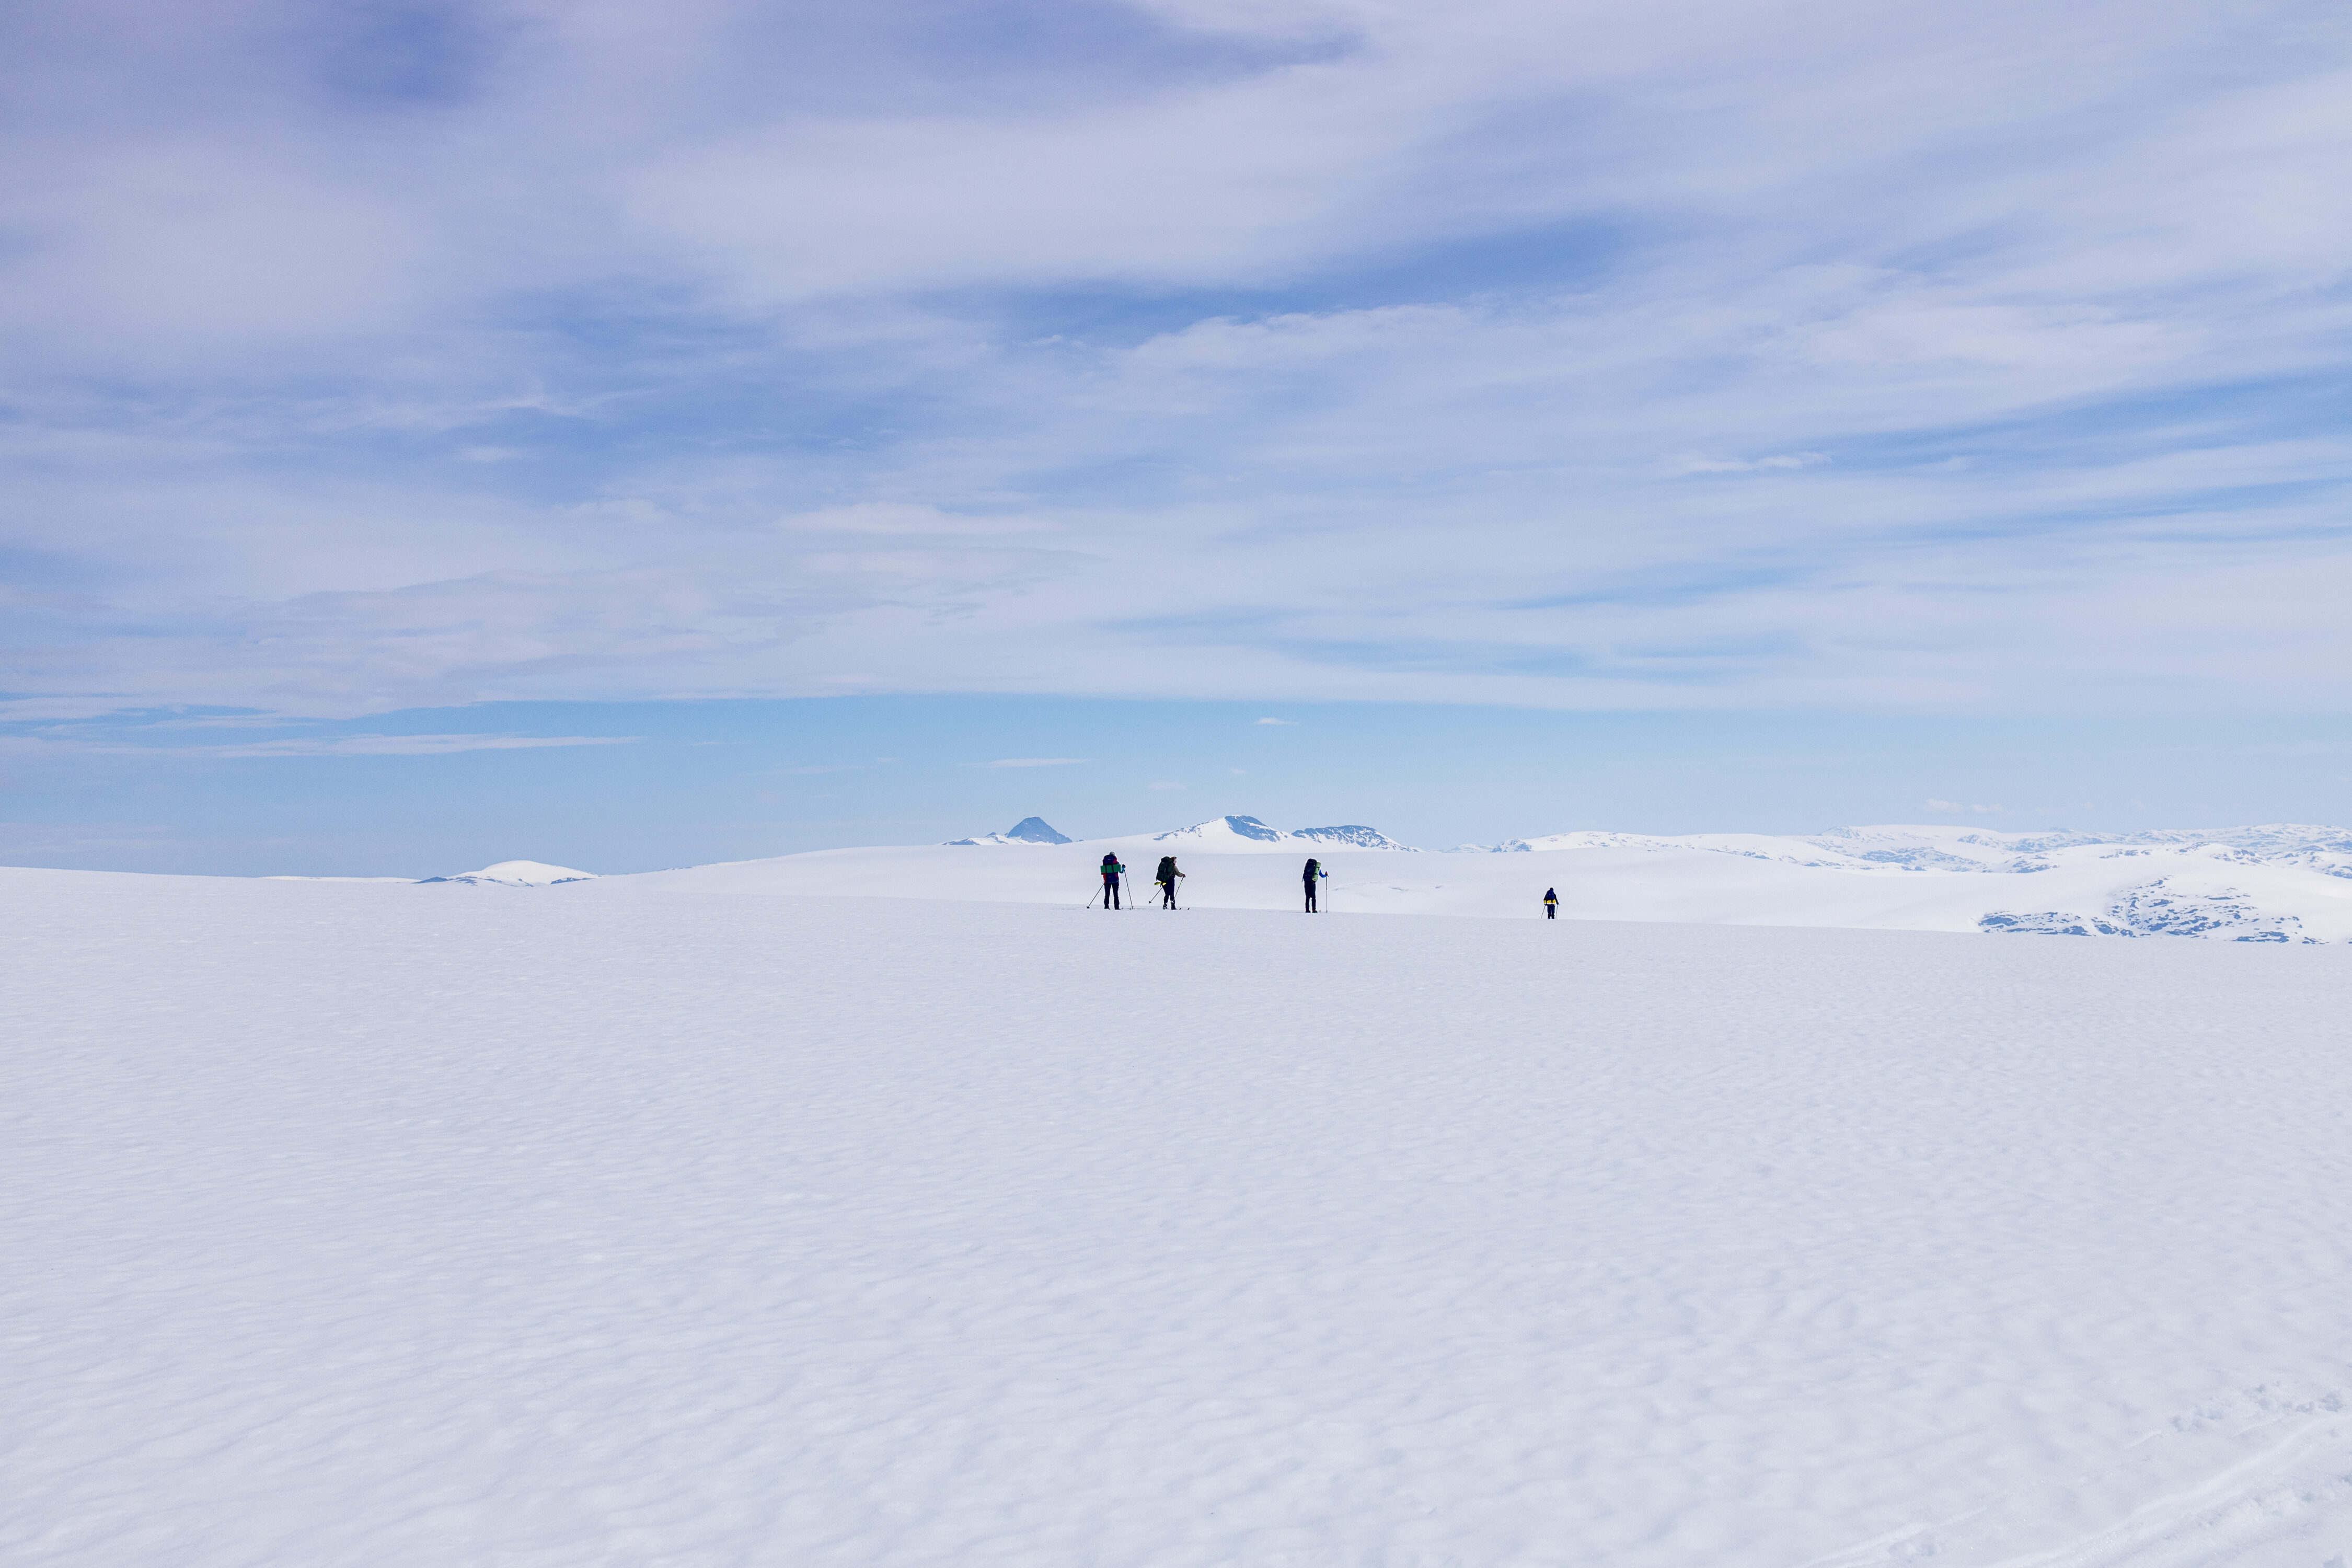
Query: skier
point(1167, 879)
point(1551, 904)
point(1314, 869)
point(1111, 873)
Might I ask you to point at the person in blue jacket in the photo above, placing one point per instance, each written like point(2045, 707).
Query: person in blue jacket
point(1111, 873)
point(1551, 903)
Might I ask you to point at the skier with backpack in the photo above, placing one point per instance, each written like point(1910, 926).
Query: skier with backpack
point(1314, 869)
point(1167, 879)
point(1111, 873)
point(1551, 903)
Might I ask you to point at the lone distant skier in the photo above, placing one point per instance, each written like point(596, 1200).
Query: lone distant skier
point(1166, 878)
point(1551, 903)
point(1111, 873)
point(1314, 869)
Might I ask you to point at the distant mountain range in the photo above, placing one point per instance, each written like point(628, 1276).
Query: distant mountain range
point(2276, 882)
point(1246, 834)
point(2273, 882)
point(1221, 835)
point(1028, 830)
point(518, 874)
point(2212, 882)
point(1955, 848)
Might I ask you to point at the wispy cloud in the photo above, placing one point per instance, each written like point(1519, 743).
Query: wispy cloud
point(1315, 353)
point(1277, 720)
point(107, 741)
point(403, 745)
point(1037, 762)
point(1696, 463)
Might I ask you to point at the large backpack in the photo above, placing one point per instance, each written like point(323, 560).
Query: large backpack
point(1312, 867)
point(1167, 868)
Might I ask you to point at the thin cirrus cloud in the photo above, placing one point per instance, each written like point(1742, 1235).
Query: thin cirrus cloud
point(406, 745)
point(125, 742)
point(1689, 355)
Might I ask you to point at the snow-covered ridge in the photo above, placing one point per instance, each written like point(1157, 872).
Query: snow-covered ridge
point(1222, 835)
point(2271, 883)
point(1937, 847)
point(518, 874)
point(1248, 835)
point(2275, 882)
point(404, 881)
point(1028, 830)
point(2237, 884)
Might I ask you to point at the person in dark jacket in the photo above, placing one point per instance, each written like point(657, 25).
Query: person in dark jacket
point(1314, 869)
point(1551, 904)
point(1167, 879)
point(1111, 873)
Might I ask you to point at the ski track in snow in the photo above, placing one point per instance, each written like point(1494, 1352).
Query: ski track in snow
point(638, 1221)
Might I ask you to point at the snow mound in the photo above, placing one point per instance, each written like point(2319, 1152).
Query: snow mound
point(518, 874)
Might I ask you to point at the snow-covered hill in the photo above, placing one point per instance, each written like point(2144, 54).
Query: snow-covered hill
point(518, 874)
point(1221, 836)
point(2273, 883)
point(1248, 836)
point(1946, 848)
point(1028, 830)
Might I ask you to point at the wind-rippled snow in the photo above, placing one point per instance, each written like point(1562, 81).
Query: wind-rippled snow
point(614, 1223)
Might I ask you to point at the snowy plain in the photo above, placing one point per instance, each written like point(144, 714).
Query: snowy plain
point(651, 1220)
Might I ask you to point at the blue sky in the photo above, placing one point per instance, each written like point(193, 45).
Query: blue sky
point(1951, 404)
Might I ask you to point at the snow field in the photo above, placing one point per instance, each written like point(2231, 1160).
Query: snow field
point(617, 1224)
